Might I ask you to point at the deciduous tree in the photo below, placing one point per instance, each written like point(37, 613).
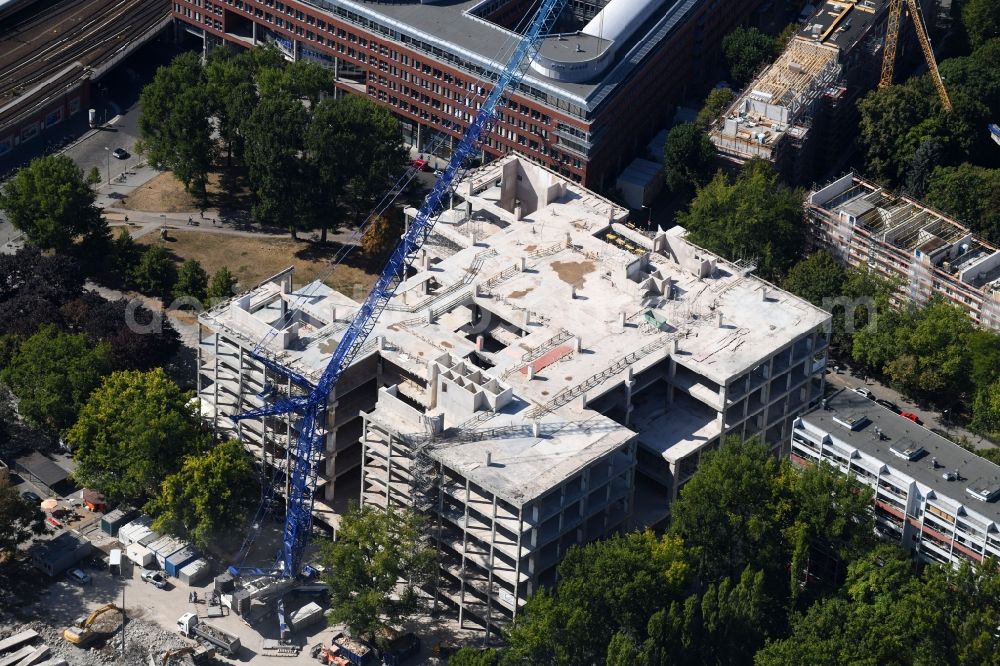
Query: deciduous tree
point(210, 493)
point(971, 194)
point(174, 124)
point(730, 513)
point(32, 288)
point(132, 433)
point(981, 19)
point(746, 50)
point(273, 133)
point(716, 103)
point(355, 150)
point(137, 339)
point(816, 278)
point(232, 94)
point(50, 202)
point(52, 374)
point(375, 566)
point(754, 216)
point(470, 656)
point(155, 274)
point(379, 237)
point(19, 520)
point(222, 286)
point(192, 281)
point(605, 587)
point(688, 158)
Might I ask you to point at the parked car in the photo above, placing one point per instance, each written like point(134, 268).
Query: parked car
point(31, 497)
point(419, 165)
point(77, 576)
point(861, 390)
point(120, 153)
point(910, 415)
point(154, 577)
point(891, 406)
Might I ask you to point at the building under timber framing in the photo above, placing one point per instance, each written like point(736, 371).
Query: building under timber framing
point(546, 376)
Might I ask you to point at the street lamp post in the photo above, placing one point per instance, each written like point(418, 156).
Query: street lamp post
point(649, 216)
point(108, 151)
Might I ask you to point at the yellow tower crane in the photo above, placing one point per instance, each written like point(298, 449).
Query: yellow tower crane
point(892, 40)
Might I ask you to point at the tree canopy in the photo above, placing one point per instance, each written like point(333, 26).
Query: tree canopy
point(132, 433)
point(210, 493)
point(19, 520)
point(905, 131)
point(53, 373)
point(51, 203)
point(222, 286)
point(192, 281)
point(738, 559)
point(688, 158)
point(273, 133)
point(606, 587)
point(981, 19)
point(374, 568)
point(752, 216)
point(746, 50)
point(174, 124)
point(356, 153)
point(816, 278)
point(970, 193)
point(155, 274)
point(716, 103)
point(887, 614)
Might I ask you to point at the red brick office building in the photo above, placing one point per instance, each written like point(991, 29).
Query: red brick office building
point(598, 90)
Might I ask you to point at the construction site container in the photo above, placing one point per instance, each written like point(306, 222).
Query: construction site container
point(164, 548)
point(179, 560)
point(194, 572)
point(115, 520)
point(139, 554)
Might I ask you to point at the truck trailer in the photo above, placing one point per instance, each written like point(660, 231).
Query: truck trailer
point(226, 643)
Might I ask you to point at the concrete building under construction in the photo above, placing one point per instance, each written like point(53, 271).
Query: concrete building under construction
point(800, 112)
point(546, 376)
point(932, 255)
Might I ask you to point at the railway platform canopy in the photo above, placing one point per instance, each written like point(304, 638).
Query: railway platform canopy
point(50, 50)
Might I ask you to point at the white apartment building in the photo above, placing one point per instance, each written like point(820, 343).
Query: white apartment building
point(931, 495)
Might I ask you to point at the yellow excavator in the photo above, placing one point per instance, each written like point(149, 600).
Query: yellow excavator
point(83, 631)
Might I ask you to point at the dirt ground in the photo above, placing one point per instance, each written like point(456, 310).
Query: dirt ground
point(165, 194)
point(573, 272)
point(252, 259)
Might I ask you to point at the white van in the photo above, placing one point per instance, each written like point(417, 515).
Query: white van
point(115, 562)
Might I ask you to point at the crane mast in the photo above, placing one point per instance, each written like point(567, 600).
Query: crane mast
point(892, 42)
point(310, 448)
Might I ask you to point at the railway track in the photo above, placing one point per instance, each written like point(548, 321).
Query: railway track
point(109, 20)
point(98, 29)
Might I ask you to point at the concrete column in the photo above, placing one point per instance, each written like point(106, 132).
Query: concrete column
point(629, 387)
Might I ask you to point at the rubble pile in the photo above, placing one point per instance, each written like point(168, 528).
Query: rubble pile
point(141, 637)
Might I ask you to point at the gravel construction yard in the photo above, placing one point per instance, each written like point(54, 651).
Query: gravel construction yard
point(152, 615)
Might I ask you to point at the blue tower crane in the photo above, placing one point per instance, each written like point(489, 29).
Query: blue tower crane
point(312, 406)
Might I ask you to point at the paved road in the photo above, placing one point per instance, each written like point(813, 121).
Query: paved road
point(930, 418)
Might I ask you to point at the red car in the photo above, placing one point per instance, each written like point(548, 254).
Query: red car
point(910, 415)
point(419, 165)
